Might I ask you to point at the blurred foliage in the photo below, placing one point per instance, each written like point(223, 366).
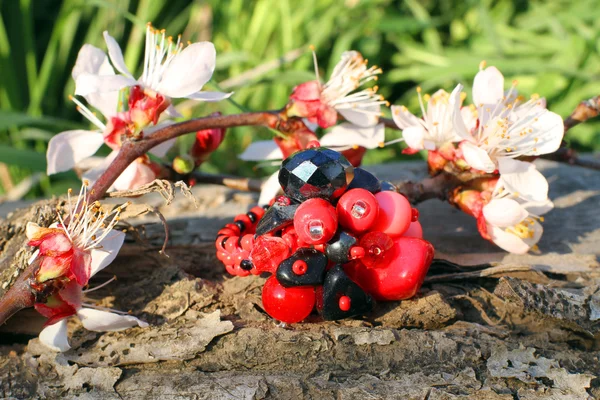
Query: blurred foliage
point(550, 47)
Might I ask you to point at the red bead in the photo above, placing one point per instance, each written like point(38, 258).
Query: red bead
point(357, 210)
point(231, 245)
point(414, 230)
point(357, 252)
point(283, 200)
point(299, 267)
point(315, 221)
point(344, 303)
point(289, 305)
point(312, 144)
point(245, 219)
point(394, 214)
point(404, 275)
point(259, 211)
point(234, 228)
point(268, 252)
point(414, 215)
point(378, 249)
point(247, 242)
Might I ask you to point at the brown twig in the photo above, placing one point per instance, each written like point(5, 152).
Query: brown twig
point(431, 188)
point(19, 296)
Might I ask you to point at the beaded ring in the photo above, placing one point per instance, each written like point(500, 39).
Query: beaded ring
point(337, 240)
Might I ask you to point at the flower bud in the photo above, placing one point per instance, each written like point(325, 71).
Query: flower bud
point(207, 141)
point(183, 164)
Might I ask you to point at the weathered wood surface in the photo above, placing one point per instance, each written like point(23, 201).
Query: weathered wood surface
point(533, 334)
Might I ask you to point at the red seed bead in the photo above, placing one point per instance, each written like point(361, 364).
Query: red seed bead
point(357, 252)
point(394, 214)
point(283, 200)
point(245, 219)
point(234, 228)
point(259, 211)
point(231, 245)
point(315, 221)
point(230, 269)
point(299, 267)
point(344, 303)
point(247, 242)
point(289, 305)
point(357, 210)
point(414, 215)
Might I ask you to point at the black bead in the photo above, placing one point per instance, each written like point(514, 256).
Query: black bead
point(241, 225)
point(276, 217)
point(338, 248)
point(316, 263)
point(338, 284)
point(223, 241)
point(252, 216)
point(365, 180)
point(388, 187)
point(246, 265)
point(316, 172)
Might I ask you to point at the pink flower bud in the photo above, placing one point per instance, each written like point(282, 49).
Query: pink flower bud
point(207, 141)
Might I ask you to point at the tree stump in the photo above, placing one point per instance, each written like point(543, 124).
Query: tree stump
point(528, 328)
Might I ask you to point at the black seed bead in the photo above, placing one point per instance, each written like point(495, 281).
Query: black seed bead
point(252, 216)
point(246, 265)
point(223, 241)
point(240, 225)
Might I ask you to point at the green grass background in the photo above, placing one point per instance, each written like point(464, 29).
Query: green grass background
point(551, 47)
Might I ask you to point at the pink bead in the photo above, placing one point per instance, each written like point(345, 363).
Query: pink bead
point(395, 214)
point(315, 221)
point(357, 210)
point(414, 230)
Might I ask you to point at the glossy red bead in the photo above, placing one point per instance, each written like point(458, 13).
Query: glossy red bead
point(299, 267)
point(315, 221)
point(378, 249)
point(395, 214)
point(357, 252)
point(344, 303)
point(268, 252)
point(403, 276)
point(259, 211)
point(357, 210)
point(247, 242)
point(289, 305)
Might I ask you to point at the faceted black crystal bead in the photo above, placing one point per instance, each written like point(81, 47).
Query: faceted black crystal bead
point(276, 217)
point(316, 172)
point(365, 180)
point(388, 187)
point(338, 284)
point(316, 264)
point(338, 248)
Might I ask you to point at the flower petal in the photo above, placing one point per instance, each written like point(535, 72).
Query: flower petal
point(270, 189)
point(307, 91)
point(262, 150)
point(52, 267)
point(189, 70)
point(546, 136)
point(81, 266)
point(513, 243)
point(504, 212)
point(414, 136)
point(209, 96)
point(538, 208)
point(55, 243)
point(135, 175)
point(116, 55)
point(348, 135)
point(55, 336)
point(462, 127)
point(162, 149)
point(100, 166)
point(87, 84)
point(364, 116)
point(488, 87)
point(477, 158)
point(104, 321)
point(404, 118)
point(92, 60)
point(107, 251)
point(523, 179)
point(68, 148)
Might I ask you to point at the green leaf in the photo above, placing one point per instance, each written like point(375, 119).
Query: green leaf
point(23, 158)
